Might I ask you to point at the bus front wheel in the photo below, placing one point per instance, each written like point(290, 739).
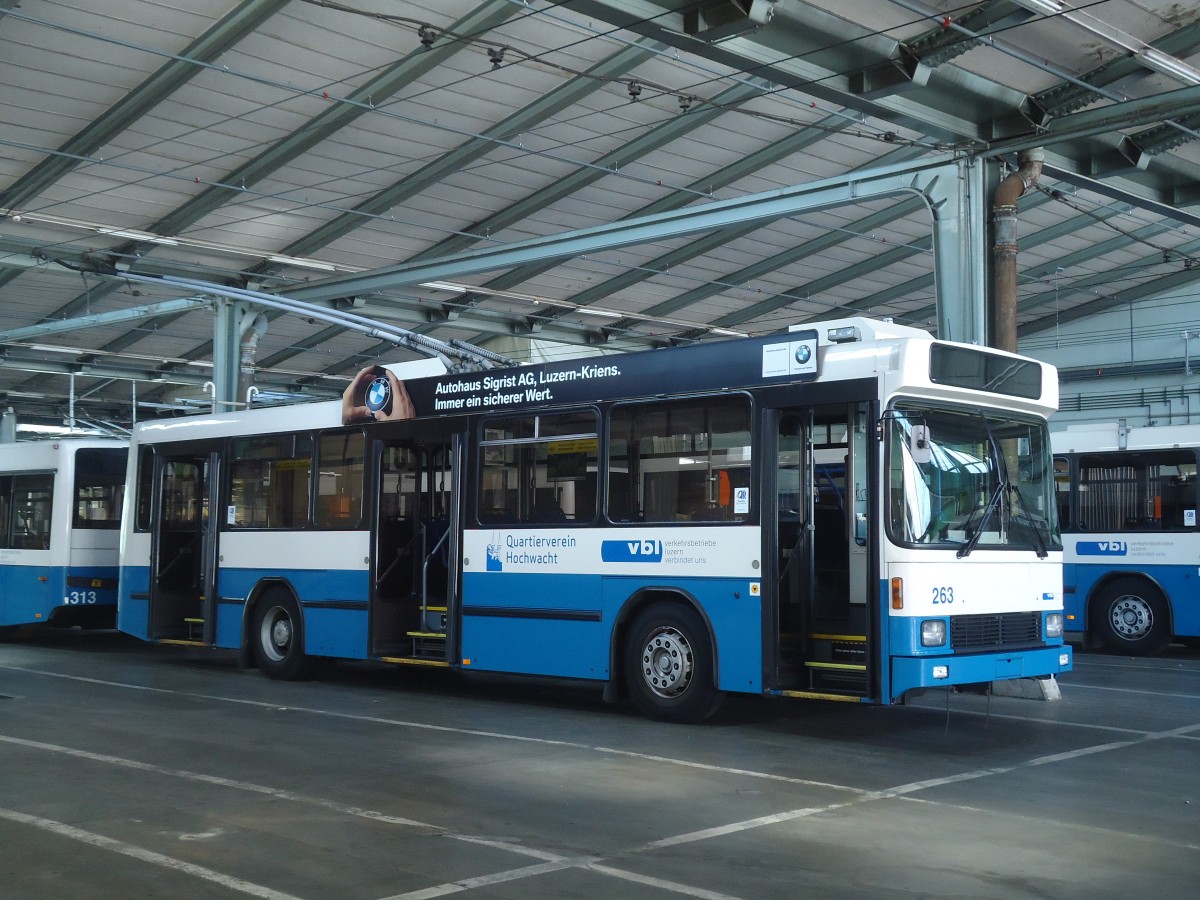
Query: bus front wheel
point(1131, 616)
point(278, 637)
point(669, 664)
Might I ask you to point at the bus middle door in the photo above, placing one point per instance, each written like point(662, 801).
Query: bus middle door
point(414, 571)
point(183, 558)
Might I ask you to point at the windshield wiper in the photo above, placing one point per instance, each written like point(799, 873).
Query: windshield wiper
point(992, 504)
point(1035, 523)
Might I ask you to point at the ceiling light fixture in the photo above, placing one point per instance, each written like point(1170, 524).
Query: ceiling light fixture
point(445, 286)
point(138, 236)
point(1166, 64)
point(1045, 7)
point(303, 263)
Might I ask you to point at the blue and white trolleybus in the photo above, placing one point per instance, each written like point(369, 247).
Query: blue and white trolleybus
point(850, 511)
point(60, 506)
point(1128, 502)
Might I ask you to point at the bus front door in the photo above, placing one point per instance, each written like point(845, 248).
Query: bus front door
point(821, 540)
point(414, 559)
point(183, 553)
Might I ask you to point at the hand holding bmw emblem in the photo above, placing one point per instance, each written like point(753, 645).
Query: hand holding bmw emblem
point(379, 396)
point(376, 393)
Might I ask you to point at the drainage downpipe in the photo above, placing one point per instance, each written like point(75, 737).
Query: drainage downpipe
point(249, 354)
point(1004, 220)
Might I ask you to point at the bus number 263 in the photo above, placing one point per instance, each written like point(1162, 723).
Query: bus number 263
point(79, 598)
point(943, 595)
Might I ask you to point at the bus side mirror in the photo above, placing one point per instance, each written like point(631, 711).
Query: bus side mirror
point(918, 444)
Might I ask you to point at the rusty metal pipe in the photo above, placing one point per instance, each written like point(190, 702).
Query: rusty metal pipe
point(1004, 252)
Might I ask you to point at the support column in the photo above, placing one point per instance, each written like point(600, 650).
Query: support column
point(227, 327)
point(959, 258)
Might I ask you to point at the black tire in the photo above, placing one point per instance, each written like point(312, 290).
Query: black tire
point(669, 664)
point(1131, 615)
point(277, 634)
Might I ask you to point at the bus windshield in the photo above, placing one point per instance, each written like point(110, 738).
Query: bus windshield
point(970, 479)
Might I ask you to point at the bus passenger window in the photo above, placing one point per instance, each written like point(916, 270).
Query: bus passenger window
point(538, 470)
point(340, 480)
point(680, 461)
point(99, 487)
point(29, 511)
point(1149, 490)
point(270, 481)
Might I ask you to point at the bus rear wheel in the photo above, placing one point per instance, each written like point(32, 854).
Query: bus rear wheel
point(278, 636)
point(1131, 616)
point(669, 664)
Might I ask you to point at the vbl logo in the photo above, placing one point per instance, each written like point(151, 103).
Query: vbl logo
point(1102, 548)
point(640, 550)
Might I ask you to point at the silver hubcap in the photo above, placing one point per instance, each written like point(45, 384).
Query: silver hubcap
point(1132, 617)
point(276, 636)
point(667, 662)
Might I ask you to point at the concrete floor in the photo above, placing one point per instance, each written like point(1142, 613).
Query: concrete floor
point(130, 770)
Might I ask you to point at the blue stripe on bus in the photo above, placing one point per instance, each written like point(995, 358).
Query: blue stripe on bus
point(575, 642)
point(31, 594)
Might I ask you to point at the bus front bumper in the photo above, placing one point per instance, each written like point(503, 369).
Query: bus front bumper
point(943, 671)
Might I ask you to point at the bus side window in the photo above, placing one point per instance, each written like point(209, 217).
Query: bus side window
point(341, 468)
point(538, 470)
point(680, 461)
point(32, 496)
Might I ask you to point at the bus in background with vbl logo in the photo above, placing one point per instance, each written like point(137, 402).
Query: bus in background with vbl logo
point(60, 507)
point(851, 510)
point(1127, 499)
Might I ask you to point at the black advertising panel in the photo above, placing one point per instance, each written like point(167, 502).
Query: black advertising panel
point(742, 363)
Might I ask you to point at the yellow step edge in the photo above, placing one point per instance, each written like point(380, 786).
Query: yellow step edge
point(426, 634)
point(435, 609)
point(403, 661)
point(193, 621)
point(182, 642)
point(858, 638)
point(850, 667)
point(817, 695)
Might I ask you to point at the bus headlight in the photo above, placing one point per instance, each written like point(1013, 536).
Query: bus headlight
point(933, 632)
point(1054, 625)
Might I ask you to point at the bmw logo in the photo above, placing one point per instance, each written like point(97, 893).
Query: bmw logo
point(379, 395)
point(803, 354)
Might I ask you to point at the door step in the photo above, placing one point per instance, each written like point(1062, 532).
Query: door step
point(428, 645)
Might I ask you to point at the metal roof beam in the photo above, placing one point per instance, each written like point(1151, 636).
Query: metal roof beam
point(392, 79)
point(1068, 97)
point(1146, 290)
point(1165, 209)
point(709, 242)
point(708, 184)
point(1107, 119)
point(223, 34)
point(786, 258)
point(116, 317)
point(657, 137)
point(447, 164)
point(909, 178)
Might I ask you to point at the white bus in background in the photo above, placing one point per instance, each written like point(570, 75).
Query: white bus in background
point(851, 511)
point(60, 509)
point(1127, 500)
